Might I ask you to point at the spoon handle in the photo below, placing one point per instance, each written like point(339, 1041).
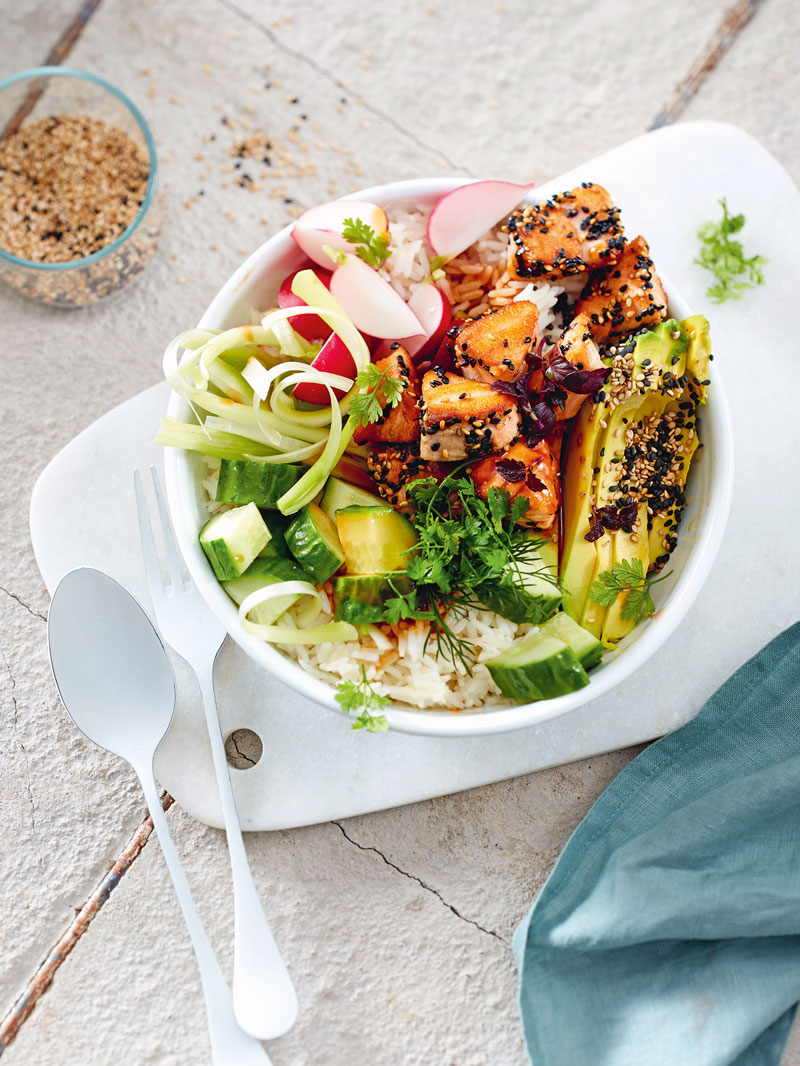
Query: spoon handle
point(264, 998)
point(230, 1045)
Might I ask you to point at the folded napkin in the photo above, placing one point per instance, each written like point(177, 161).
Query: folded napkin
point(668, 933)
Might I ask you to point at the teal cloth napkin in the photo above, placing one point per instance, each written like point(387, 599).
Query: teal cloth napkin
point(668, 933)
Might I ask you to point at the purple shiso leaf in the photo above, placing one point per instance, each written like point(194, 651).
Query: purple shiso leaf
point(511, 470)
point(611, 518)
point(562, 372)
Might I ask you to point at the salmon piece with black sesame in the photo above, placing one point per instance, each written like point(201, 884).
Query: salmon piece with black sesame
point(522, 470)
point(393, 467)
point(462, 418)
point(496, 346)
point(400, 424)
point(625, 297)
point(568, 234)
point(577, 345)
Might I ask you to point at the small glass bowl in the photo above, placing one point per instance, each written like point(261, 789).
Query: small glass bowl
point(44, 91)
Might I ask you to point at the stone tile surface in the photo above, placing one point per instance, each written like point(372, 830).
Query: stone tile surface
point(396, 925)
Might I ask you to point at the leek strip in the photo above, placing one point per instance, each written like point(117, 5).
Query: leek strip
point(304, 490)
point(270, 437)
point(287, 634)
point(230, 382)
point(296, 455)
point(175, 434)
point(245, 415)
point(339, 323)
point(234, 338)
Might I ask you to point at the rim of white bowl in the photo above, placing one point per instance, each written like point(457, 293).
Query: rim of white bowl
point(649, 636)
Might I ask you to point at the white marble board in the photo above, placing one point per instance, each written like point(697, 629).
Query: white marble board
point(314, 767)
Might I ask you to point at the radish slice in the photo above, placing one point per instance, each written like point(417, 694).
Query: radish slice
point(432, 309)
point(311, 327)
point(323, 225)
point(460, 217)
point(371, 303)
point(332, 358)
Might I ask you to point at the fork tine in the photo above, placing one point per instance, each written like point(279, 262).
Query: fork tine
point(151, 563)
point(176, 571)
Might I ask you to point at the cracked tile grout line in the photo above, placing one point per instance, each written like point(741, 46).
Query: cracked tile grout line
point(22, 603)
point(421, 883)
point(735, 20)
point(15, 727)
point(301, 58)
point(43, 977)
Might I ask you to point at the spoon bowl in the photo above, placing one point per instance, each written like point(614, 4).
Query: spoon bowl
point(111, 669)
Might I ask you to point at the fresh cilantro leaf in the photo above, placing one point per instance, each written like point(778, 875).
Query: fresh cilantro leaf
point(626, 576)
point(373, 247)
point(379, 392)
point(725, 258)
point(362, 697)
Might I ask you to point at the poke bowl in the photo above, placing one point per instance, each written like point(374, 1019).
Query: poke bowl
point(249, 293)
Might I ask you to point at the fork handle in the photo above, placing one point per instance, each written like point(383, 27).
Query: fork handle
point(230, 1045)
point(264, 998)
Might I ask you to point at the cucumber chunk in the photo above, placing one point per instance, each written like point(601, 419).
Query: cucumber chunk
point(361, 598)
point(312, 539)
point(535, 600)
point(276, 545)
point(232, 539)
point(537, 667)
point(244, 481)
point(340, 494)
point(585, 645)
point(264, 572)
point(374, 539)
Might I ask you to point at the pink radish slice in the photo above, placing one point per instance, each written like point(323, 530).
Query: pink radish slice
point(460, 217)
point(334, 358)
point(371, 303)
point(432, 309)
point(311, 327)
point(323, 225)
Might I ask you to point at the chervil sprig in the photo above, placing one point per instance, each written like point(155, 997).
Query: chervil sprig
point(725, 258)
point(626, 576)
point(378, 392)
point(362, 697)
point(373, 247)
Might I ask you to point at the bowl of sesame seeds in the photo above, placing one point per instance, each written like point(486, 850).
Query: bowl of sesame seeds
point(79, 218)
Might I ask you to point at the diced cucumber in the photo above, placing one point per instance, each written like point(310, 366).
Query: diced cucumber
point(312, 539)
point(375, 539)
point(360, 598)
point(276, 545)
point(585, 645)
point(537, 667)
point(232, 539)
point(245, 481)
point(536, 599)
point(264, 572)
point(340, 494)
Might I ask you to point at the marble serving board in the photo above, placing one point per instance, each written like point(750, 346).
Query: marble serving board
point(313, 767)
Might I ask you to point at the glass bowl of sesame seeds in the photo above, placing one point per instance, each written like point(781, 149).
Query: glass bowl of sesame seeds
point(79, 218)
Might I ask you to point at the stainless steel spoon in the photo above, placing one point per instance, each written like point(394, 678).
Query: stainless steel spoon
point(117, 685)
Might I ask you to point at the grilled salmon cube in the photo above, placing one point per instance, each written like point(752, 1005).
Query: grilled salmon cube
point(462, 418)
point(400, 424)
point(577, 345)
point(571, 232)
point(531, 472)
point(625, 297)
point(393, 467)
point(496, 346)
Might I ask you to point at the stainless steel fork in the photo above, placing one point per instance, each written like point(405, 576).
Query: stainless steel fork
point(264, 999)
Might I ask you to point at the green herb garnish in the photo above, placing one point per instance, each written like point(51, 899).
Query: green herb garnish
point(362, 697)
point(367, 406)
point(725, 258)
point(373, 247)
point(467, 546)
point(626, 576)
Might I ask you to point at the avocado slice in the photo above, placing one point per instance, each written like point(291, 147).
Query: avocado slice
point(655, 362)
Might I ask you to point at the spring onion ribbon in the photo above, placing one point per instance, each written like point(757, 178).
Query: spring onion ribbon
point(287, 634)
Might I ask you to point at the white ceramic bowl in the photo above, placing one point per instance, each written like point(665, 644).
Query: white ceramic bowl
point(255, 285)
